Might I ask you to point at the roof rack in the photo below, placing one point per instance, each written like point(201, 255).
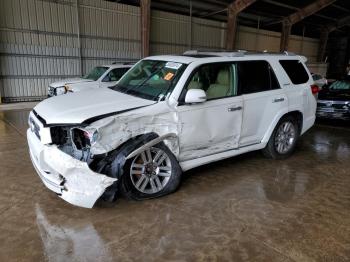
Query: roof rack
point(277, 53)
point(235, 53)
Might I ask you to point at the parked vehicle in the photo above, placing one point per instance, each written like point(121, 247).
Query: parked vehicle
point(99, 76)
point(334, 101)
point(166, 115)
point(319, 80)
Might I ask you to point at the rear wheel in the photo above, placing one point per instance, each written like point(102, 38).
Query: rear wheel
point(152, 173)
point(283, 139)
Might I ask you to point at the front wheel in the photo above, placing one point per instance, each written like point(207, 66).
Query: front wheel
point(152, 173)
point(283, 139)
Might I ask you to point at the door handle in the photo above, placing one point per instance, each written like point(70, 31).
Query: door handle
point(276, 100)
point(236, 108)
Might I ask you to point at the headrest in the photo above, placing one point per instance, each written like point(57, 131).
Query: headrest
point(223, 77)
point(194, 85)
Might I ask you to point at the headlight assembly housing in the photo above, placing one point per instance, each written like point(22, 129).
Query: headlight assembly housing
point(84, 138)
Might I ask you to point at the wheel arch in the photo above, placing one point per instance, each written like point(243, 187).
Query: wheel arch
point(296, 113)
point(112, 163)
point(131, 147)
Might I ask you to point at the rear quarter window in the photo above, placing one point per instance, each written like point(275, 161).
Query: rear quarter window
point(295, 70)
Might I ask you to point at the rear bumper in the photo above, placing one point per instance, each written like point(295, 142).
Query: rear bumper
point(68, 177)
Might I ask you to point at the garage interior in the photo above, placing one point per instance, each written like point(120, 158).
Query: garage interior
point(245, 208)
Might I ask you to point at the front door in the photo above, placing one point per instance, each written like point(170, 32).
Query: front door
point(213, 126)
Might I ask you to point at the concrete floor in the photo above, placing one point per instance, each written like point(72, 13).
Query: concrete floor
point(246, 208)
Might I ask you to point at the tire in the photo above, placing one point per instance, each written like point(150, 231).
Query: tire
point(283, 139)
point(145, 179)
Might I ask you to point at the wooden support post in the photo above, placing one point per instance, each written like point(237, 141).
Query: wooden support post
point(233, 10)
point(231, 28)
point(145, 8)
point(322, 44)
point(296, 17)
point(286, 29)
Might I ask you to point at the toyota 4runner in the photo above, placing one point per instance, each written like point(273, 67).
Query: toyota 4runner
point(166, 115)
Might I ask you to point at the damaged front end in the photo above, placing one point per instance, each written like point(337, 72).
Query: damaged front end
point(85, 162)
point(61, 157)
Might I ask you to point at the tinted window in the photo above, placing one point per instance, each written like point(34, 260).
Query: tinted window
point(316, 77)
point(96, 73)
point(115, 74)
point(340, 85)
point(295, 70)
point(256, 76)
point(215, 79)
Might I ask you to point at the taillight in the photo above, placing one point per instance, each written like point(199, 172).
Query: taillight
point(315, 89)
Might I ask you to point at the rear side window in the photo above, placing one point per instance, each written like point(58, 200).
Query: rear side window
point(295, 70)
point(256, 76)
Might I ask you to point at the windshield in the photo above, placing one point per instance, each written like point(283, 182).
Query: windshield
point(96, 73)
point(150, 79)
point(340, 85)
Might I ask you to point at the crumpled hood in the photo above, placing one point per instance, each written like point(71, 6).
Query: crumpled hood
point(70, 81)
point(75, 108)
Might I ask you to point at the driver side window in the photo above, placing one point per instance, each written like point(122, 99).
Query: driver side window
point(216, 79)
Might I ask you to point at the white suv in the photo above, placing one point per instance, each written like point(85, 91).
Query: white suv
point(166, 115)
point(99, 76)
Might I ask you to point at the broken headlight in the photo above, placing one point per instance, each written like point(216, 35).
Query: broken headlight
point(84, 138)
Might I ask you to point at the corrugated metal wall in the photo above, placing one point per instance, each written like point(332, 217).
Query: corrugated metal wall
point(260, 40)
point(41, 41)
point(174, 34)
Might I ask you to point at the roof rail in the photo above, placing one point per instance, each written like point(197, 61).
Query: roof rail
point(234, 53)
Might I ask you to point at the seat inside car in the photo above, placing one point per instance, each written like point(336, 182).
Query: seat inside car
point(195, 83)
point(221, 87)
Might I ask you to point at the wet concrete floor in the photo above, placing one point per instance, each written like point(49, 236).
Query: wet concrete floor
point(245, 208)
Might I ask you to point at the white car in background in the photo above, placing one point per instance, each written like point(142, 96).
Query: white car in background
point(319, 80)
point(99, 76)
point(166, 115)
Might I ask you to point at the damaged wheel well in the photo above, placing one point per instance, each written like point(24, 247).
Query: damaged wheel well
point(112, 163)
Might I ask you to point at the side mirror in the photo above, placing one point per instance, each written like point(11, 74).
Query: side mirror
point(195, 96)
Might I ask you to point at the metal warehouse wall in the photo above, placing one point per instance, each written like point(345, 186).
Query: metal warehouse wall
point(259, 40)
point(42, 41)
point(174, 34)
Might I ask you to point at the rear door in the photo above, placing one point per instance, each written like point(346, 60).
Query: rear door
point(262, 99)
